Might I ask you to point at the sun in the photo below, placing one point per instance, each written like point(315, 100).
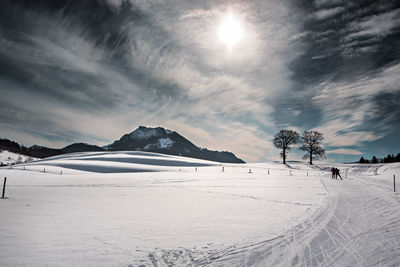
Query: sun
point(230, 31)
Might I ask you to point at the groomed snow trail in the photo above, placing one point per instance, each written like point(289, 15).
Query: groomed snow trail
point(360, 226)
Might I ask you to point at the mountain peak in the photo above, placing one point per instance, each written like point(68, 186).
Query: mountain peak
point(161, 140)
point(143, 132)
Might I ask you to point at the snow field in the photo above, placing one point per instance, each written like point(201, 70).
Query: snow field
point(114, 219)
point(7, 157)
point(173, 215)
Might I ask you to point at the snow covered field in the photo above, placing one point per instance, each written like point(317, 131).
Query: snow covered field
point(137, 208)
point(7, 158)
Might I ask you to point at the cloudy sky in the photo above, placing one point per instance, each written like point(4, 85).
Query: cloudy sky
point(91, 71)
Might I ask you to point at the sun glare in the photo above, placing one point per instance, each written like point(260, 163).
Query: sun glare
point(230, 31)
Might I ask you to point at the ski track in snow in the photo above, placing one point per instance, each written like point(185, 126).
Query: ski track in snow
point(358, 227)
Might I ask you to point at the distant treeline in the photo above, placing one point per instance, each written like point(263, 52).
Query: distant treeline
point(44, 152)
point(34, 151)
point(388, 159)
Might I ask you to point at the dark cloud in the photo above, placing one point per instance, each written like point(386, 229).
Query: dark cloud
point(31, 30)
point(385, 111)
point(384, 115)
point(341, 41)
point(98, 21)
point(335, 47)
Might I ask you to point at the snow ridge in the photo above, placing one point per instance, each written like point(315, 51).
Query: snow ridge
point(146, 133)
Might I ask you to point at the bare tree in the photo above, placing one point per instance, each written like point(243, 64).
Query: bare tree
point(312, 145)
point(283, 140)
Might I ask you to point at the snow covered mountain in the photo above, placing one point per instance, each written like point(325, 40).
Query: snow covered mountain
point(165, 141)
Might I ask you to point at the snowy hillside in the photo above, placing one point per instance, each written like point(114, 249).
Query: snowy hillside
point(8, 158)
point(148, 209)
point(116, 162)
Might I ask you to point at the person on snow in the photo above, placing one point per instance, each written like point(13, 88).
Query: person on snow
point(338, 173)
point(333, 170)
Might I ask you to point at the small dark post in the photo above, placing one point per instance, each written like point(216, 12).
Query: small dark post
point(61, 172)
point(222, 168)
point(24, 167)
point(4, 187)
point(394, 183)
point(268, 171)
point(250, 171)
point(44, 169)
point(290, 172)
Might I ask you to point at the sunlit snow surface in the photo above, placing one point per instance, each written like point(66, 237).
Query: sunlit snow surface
point(134, 208)
point(7, 158)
